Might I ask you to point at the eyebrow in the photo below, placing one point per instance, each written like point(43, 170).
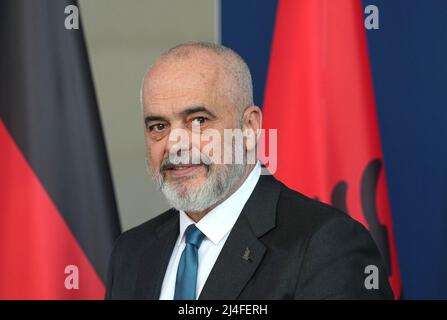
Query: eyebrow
point(184, 113)
point(197, 109)
point(154, 118)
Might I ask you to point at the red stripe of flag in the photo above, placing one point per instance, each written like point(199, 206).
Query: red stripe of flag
point(36, 245)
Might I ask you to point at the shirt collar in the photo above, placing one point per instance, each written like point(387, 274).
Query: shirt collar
point(217, 223)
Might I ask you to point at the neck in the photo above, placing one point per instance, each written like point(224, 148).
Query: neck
point(199, 215)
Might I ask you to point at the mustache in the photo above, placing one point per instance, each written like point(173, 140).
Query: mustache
point(167, 164)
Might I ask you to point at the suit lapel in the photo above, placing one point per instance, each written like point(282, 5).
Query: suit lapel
point(243, 251)
point(155, 259)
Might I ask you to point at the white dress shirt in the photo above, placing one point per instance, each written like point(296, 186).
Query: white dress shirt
point(216, 226)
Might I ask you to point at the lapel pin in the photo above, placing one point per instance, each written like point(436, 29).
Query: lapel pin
point(246, 255)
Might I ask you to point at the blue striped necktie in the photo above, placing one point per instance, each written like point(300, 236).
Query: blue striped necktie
point(186, 282)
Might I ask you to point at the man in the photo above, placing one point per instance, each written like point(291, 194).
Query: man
point(232, 233)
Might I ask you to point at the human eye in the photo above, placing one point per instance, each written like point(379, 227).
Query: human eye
point(199, 121)
point(158, 127)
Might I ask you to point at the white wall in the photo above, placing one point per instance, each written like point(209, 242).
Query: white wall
point(123, 38)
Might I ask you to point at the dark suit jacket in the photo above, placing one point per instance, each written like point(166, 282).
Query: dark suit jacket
point(298, 249)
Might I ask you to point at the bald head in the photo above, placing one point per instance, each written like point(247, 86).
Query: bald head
point(224, 70)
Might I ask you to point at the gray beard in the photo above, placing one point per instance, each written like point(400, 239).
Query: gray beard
point(216, 187)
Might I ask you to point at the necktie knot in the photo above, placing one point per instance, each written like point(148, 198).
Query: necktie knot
point(193, 236)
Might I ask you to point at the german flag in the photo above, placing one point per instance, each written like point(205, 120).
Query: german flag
point(58, 215)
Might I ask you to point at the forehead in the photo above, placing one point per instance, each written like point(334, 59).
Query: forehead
point(172, 84)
